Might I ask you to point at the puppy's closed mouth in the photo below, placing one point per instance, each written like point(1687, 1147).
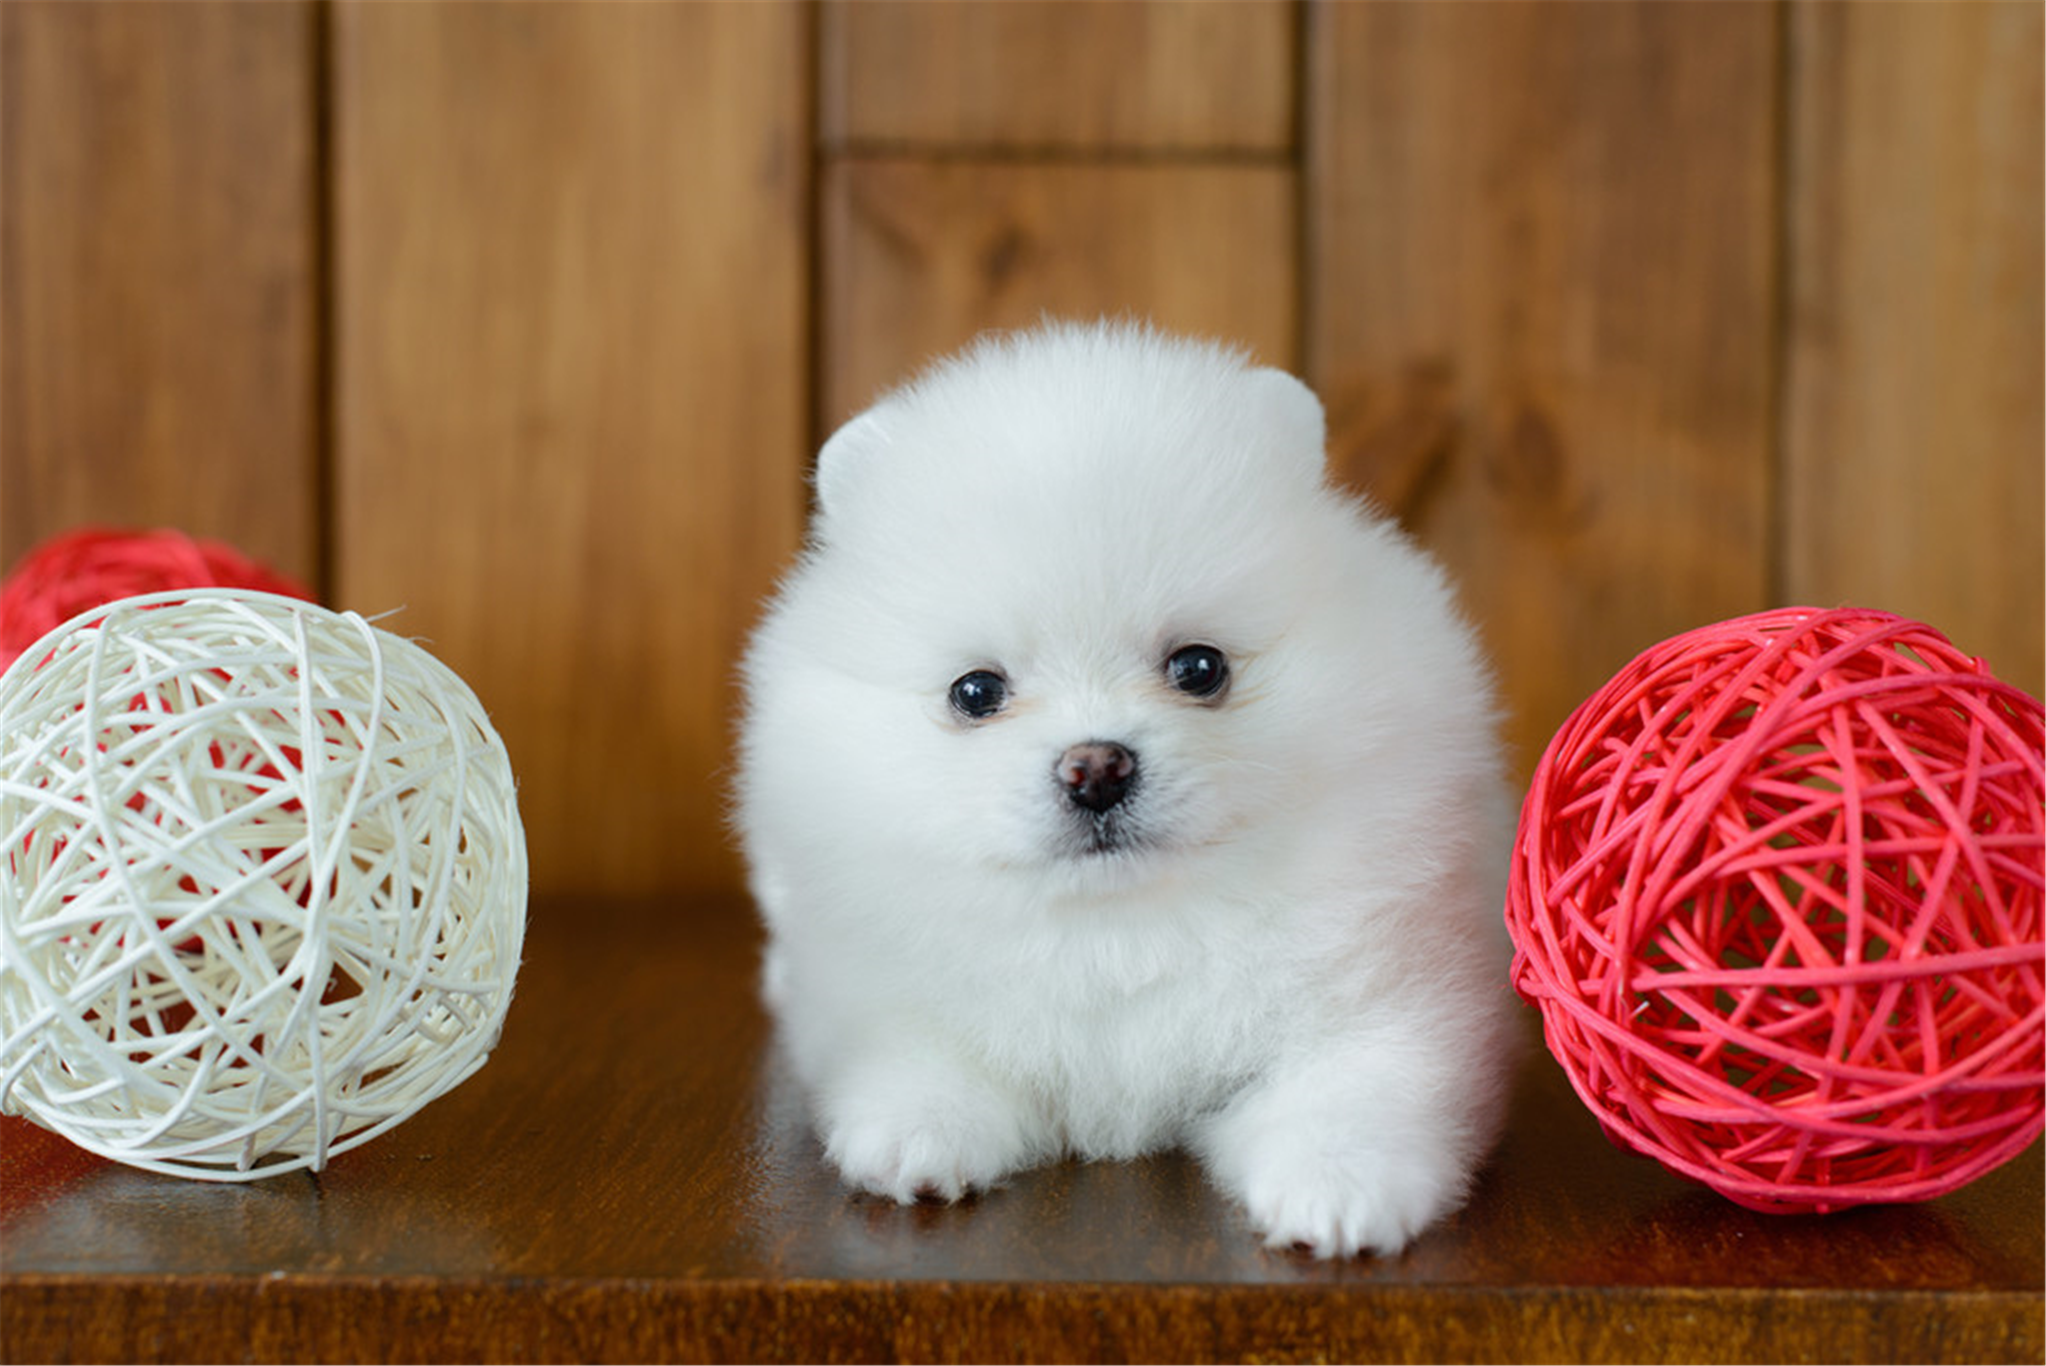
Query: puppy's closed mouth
point(1106, 835)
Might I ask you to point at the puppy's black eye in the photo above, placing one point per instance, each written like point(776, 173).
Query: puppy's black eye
point(979, 694)
point(1198, 670)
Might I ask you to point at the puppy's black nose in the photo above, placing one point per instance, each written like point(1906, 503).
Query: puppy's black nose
point(1097, 774)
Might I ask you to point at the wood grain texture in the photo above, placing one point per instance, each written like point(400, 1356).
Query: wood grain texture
point(1915, 427)
point(1541, 255)
point(1036, 75)
point(632, 1177)
point(293, 1319)
point(571, 394)
point(920, 255)
point(158, 250)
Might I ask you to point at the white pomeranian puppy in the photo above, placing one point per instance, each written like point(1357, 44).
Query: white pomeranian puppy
point(1112, 782)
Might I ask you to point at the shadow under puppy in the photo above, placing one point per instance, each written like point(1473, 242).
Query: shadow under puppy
point(1110, 782)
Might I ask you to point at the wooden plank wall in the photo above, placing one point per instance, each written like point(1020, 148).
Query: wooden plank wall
point(1507, 239)
point(526, 317)
point(159, 325)
point(569, 421)
point(982, 165)
point(1914, 313)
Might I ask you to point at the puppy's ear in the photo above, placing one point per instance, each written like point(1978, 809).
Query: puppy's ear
point(860, 440)
point(1294, 416)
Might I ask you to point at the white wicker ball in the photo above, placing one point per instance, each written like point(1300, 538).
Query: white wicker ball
point(262, 882)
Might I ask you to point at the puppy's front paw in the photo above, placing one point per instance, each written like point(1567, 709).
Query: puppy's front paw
point(945, 1147)
point(1331, 1185)
point(1343, 1204)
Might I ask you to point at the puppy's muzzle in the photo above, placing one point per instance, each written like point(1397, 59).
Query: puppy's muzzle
point(1097, 774)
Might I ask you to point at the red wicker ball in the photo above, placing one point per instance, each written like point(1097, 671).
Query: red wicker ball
point(93, 566)
point(1777, 895)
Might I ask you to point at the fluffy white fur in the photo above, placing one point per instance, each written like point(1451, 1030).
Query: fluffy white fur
point(1290, 959)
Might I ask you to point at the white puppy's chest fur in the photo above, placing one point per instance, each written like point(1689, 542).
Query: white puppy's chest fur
point(1124, 1018)
point(1125, 1034)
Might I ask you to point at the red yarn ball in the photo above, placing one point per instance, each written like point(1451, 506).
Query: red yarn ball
point(94, 566)
point(1777, 894)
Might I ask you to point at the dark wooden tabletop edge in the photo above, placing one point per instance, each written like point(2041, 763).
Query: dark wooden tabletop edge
point(295, 1316)
point(115, 1285)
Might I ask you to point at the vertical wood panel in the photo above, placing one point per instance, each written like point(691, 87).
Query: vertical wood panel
point(1915, 424)
point(1541, 255)
point(158, 325)
point(571, 404)
point(921, 255)
point(1206, 75)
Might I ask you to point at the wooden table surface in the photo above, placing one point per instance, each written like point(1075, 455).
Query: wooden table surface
point(631, 1178)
